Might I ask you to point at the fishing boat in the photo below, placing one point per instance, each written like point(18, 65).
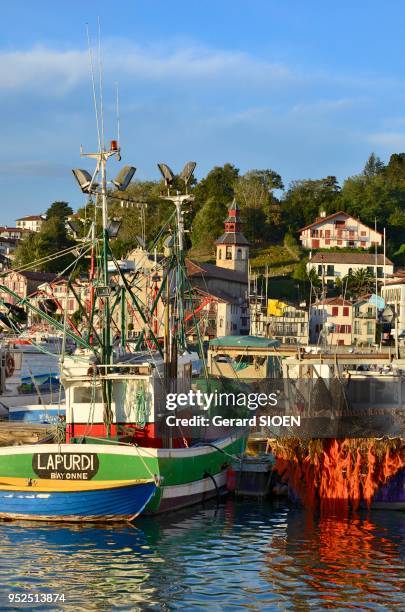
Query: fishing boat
point(37, 413)
point(35, 398)
point(73, 501)
point(116, 414)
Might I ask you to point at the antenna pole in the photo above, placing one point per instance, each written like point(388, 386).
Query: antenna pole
point(118, 116)
point(93, 86)
point(100, 72)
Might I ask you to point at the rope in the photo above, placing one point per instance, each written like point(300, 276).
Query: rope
point(221, 450)
point(145, 464)
point(136, 399)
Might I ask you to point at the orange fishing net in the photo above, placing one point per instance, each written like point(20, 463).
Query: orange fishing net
point(337, 474)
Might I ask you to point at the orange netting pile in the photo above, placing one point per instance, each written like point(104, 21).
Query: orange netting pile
point(337, 474)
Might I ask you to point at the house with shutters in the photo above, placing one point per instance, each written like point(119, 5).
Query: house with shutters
point(331, 266)
point(33, 223)
point(14, 233)
point(331, 322)
point(365, 317)
point(338, 230)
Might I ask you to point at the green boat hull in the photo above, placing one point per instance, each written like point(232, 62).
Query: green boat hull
point(186, 476)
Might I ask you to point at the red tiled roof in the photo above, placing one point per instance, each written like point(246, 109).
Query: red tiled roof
point(331, 216)
point(4, 228)
point(31, 218)
point(333, 301)
point(399, 281)
point(349, 258)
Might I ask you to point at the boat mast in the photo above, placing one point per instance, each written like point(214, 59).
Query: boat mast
point(106, 332)
point(102, 156)
point(179, 338)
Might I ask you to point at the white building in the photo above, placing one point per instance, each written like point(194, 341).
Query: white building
point(333, 265)
point(14, 233)
point(32, 222)
point(338, 230)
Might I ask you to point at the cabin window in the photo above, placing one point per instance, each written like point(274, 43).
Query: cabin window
point(87, 395)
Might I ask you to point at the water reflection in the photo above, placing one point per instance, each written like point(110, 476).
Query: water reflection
point(260, 556)
point(340, 562)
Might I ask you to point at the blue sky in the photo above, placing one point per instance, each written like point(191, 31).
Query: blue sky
point(305, 88)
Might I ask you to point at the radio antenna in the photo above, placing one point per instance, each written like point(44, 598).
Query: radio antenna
point(100, 71)
point(93, 85)
point(118, 116)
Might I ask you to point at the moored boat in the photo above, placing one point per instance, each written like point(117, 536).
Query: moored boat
point(72, 500)
point(186, 475)
point(117, 404)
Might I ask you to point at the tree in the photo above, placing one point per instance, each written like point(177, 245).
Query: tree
point(218, 184)
point(48, 242)
point(394, 172)
point(360, 281)
point(61, 210)
point(208, 224)
point(305, 199)
point(368, 198)
point(260, 209)
point(373, 166)
point(28, 251)
point(301, 274)
point(313, 278)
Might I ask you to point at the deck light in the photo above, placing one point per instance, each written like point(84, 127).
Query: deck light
point(85, 180)
point(124, 177)
point(113, 227)
point(187, 172)
point(166, 173)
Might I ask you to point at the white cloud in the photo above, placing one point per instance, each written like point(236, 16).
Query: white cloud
point(59, 71)
point(326, 106)
point(32, 168)
point(388, 140)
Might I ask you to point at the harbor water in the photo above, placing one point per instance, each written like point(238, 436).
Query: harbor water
point(240, 554)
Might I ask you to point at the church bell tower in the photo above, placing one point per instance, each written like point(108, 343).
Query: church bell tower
point(232, 246)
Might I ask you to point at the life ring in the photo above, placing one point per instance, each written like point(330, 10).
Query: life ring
point(10, 365)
